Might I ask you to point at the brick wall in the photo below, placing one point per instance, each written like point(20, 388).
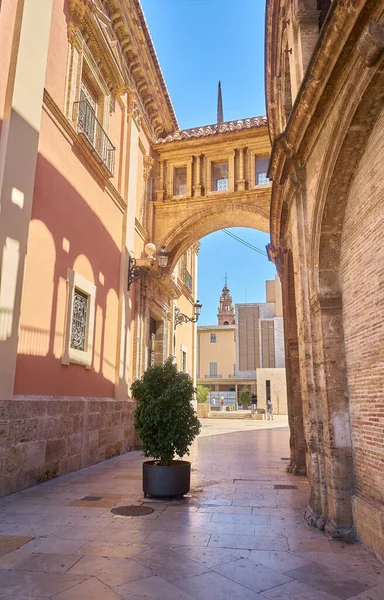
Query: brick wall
point(247, 340)
point(42, 437)
point(362, 279)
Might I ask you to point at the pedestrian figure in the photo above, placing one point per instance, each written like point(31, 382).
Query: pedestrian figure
point(214, 401)
point(269, 410)
point(222, 402)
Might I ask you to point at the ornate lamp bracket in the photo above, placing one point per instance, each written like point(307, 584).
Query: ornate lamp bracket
point(154, 266)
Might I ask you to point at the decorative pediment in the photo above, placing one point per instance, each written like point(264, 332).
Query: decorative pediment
point(117, 35)
point(95, 27)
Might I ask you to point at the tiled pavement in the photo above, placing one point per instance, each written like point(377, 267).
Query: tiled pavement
point(236, 537)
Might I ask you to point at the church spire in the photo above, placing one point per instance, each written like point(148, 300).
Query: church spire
point(226, 310)
point(220, 115)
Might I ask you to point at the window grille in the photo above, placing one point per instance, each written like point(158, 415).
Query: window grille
point(213, 369)
point(221, 184)
point(188, 280)
point(213, 337)
point(79, 320)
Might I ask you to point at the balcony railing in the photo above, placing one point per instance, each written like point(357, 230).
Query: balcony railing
point(90, 127)
point(188, 280)
point(213, 376)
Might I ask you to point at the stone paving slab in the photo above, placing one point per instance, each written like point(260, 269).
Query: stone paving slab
point(235, 536)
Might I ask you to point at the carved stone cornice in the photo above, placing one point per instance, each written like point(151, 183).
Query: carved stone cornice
point(331, 301)
point(196, 247)
point(94, 26)
point(371, 43)
point(134, 110)
point(298, 177)
point(118, 37)
point(148, 165)
point(129, 25)
point(276, 255)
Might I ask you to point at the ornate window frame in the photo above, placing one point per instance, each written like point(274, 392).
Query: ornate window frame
point(254, 155)
point(86, 66)
point(171, 175)
point(211, 159)
point(72, 355)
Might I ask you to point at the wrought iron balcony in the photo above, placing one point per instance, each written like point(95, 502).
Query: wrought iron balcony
point(188, 280)
point(90, 127)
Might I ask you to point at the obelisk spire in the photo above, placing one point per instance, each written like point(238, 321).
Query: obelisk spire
point(220, 116)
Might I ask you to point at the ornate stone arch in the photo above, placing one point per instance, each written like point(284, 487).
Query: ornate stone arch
point(214, 219)
point(349, 136)
point(362, 104)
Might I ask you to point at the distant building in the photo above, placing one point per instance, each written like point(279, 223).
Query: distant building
point(226, 311)
point(245, 351)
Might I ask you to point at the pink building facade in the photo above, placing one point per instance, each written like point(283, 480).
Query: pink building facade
point(81, 100)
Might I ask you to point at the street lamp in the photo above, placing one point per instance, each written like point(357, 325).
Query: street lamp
point(182, 318)
point(152, 265)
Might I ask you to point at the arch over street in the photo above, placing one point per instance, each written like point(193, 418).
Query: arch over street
point(209, 179)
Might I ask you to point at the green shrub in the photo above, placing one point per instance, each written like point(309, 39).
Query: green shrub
point(202, 394)
point(244, 398)
point(165, 418)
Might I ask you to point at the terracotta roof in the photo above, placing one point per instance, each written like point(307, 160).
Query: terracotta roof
point(207, 130)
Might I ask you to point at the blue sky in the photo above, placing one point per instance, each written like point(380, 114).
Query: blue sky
point(200, 42)
point(247, 270)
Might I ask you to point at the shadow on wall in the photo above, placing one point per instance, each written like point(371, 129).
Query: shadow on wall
point(66, 233)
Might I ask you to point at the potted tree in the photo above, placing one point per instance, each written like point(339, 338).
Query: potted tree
point(244, 399)
point(167, 424)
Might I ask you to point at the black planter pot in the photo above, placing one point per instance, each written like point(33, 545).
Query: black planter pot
point(173, 480)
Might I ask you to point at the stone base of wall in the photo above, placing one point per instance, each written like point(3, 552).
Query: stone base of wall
point(369, 523)
point(44, 437)
point(203, 411)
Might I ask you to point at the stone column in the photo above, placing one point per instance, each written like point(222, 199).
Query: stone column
point(312, 410)
point(18, 156)
point(160, 187)
point(148, 204)
point(241, 180)
point(333, 394)
point(197, 185)
point(125, 360)
point(297, 443)
point(231, 171)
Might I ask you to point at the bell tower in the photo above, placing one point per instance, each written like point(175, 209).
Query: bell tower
point(226, 311)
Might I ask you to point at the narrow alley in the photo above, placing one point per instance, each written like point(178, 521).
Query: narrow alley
point(239, 535)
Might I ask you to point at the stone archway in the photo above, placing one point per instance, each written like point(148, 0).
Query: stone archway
point(209, 220)
point(189, 203)
point(346, 157)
